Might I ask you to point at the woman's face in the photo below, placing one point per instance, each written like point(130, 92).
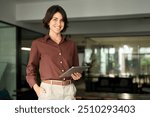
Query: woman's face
point(56, 24)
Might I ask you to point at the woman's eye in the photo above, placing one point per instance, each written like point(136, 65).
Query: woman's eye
point(55, 19)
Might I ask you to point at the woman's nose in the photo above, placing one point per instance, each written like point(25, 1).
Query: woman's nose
point(58, 23)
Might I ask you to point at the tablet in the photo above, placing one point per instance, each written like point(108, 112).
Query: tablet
point(72, 70)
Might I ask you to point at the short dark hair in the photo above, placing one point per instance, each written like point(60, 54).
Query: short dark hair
point(49, 14)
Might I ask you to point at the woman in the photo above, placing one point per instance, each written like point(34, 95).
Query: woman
point(54, 54)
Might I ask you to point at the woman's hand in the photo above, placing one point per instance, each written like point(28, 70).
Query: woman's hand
point(76, 76)
point(38, 89)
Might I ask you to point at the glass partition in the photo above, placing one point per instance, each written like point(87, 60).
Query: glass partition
point(7, 61)
point(26, 36)
point(15, 43)
point(119, 57)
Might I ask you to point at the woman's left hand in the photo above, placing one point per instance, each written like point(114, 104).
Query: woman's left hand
point(76, 76)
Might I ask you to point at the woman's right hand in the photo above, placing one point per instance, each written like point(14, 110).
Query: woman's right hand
point(38, 89)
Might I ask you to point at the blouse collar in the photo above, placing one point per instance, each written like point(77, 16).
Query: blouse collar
point(47, 37)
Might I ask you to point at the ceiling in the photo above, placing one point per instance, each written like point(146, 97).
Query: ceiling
point(19, 1)
point(107, 24)
point(98, 26)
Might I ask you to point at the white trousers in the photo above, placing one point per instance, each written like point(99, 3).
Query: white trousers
point(57, 92)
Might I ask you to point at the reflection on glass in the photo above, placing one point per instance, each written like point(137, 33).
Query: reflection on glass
point(125, 59)
point(7, 61)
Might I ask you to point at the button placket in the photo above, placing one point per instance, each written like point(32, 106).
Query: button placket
point(59, 53)
point(61, 60)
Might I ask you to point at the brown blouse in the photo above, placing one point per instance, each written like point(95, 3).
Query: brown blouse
point(53, 59)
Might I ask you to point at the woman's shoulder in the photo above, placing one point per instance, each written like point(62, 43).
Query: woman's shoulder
point(69, 40)
point(39, 40)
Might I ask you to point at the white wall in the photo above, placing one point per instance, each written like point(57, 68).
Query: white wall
point(7, 11)
point(8, 14)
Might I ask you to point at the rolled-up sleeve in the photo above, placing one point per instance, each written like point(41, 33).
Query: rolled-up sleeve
point(31, 69)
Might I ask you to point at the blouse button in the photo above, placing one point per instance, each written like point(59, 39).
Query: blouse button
point(62, 70)
point(64, 78)
point(61, 62)
point(59, 53)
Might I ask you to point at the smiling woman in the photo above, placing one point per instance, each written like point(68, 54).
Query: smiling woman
point(54, 53)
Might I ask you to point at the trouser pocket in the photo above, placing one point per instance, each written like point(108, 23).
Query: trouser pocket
point(43, 94)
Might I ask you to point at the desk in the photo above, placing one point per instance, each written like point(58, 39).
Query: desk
point(109, 84)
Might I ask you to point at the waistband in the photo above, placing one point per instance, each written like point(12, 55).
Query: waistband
point(58, 82)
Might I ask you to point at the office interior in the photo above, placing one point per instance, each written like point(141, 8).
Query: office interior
point(115, 44)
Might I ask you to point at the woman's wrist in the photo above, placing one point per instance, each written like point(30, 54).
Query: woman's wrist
point(35, 87)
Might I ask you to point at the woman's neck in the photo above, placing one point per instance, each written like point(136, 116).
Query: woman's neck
point(55, 37)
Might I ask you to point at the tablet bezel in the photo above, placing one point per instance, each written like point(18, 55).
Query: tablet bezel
point(72, 70)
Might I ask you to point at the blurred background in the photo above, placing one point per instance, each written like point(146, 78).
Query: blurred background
point(113, 38)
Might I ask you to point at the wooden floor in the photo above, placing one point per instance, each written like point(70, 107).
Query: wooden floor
point(83, 95)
